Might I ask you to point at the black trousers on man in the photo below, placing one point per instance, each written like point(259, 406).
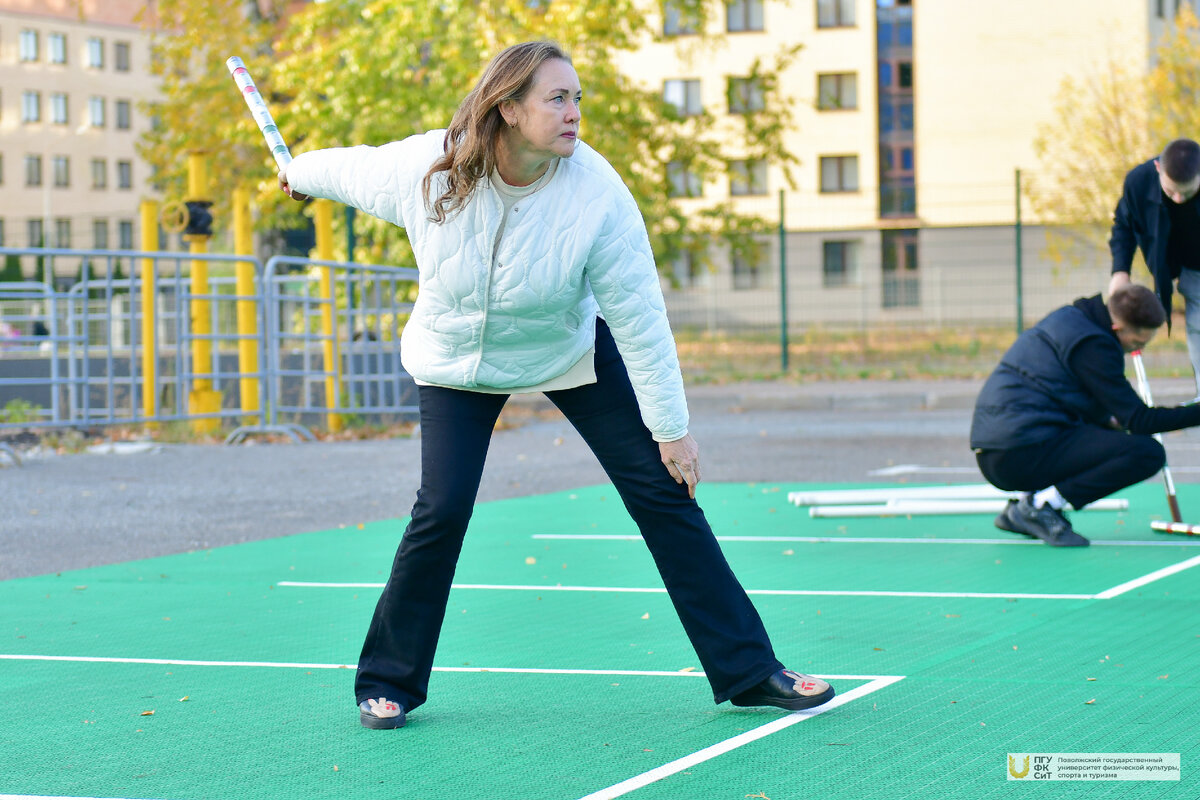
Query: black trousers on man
point(1085, 463)
point(456, 428)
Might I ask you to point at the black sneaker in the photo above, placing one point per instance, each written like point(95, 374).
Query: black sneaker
point(1045, 523)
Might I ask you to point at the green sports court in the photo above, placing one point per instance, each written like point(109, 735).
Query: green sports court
point(563, 672)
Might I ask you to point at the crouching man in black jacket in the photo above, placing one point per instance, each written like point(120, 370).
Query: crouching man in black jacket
point(1058, 421)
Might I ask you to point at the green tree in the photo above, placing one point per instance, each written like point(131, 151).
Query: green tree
point(200, 106)
point(12, 269)
point(372, 71)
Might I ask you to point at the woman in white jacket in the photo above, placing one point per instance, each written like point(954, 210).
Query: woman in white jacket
point(536, 275)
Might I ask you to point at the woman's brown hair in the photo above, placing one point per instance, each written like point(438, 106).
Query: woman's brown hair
point(469, 149)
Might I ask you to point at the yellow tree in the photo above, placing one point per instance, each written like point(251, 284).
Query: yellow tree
point(200, 108)
point(1106, 124)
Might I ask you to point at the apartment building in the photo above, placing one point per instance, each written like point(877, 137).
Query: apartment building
point(72, 76)
point(913, 117)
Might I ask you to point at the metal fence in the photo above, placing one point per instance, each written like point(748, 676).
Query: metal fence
point(320, 343)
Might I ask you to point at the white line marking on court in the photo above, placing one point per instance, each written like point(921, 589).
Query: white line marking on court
point(52, 797)
point(708, 753)
point(620, 537)
point(1136, 583)
point(908, 469)
point(177, 662)
point(661, 590)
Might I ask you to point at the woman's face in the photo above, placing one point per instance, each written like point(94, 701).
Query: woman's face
point(548, 116)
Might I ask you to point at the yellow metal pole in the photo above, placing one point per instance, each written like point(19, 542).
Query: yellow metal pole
point(247, 320)
point(323, 221)
point(150, 243)
point(202, 399)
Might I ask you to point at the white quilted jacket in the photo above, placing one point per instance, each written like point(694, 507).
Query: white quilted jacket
point(575, 247)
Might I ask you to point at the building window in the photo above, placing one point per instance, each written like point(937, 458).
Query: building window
point(678, 21)
point(745, 96)
point(35, 233)
point(124, 174)
point(684, 94)
point(96, 112)
point(62, 171)
point(125, 234)
point(837, 90)
point(99, 173)
point(835, 13)
point(748, 177)
point(56, 44)
point(33, 170)
point(121, 56)
point(28, 45)
point(744, 15)
point(682, 182)
point(839, 173)
point(95, 52)
point(58, 108)
point(100, 234)
point(62, 232)
point(689, 270)
point(31, 106)
point(901, 269)
point(121, 108)
point(746, 272)
point(839, 263)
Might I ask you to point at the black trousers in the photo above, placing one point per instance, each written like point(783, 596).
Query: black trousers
point(456, 428)
point(1085, 463)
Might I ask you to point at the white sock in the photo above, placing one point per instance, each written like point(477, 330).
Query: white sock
point(1050, 497)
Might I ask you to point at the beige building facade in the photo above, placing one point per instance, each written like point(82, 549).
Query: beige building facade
point(73, 76)
point(912, 120)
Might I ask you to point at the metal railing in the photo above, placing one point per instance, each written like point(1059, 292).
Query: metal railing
point(105, 351)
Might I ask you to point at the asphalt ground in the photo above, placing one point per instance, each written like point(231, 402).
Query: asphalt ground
point(62, 512)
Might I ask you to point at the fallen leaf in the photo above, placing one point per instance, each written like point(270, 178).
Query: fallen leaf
point(184, 699)
point(1089, 702)
point(147, 713)
point(693, 669)
point(1091, 679)
point(335, 769)
point(646, 615)
point(877, 648)
point(953, 616)
point(530, 560)
point(1164, 677)
point(789, 552)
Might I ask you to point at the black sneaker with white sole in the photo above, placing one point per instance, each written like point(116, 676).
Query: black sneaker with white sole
point(1048, 524)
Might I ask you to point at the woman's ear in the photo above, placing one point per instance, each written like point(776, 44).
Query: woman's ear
point(508, 112)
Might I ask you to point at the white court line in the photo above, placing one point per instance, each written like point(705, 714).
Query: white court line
point(708, 753)
point(661, 590)
point(621, 537)
point(178, 662)
point(1136, 583)
point(53, 797)
point(1107, 594)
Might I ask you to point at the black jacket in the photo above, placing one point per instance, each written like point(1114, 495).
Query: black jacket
point(1067, 370)
point(1141, 220)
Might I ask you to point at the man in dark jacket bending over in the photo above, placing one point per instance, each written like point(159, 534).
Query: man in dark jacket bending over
point(1058, 421)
